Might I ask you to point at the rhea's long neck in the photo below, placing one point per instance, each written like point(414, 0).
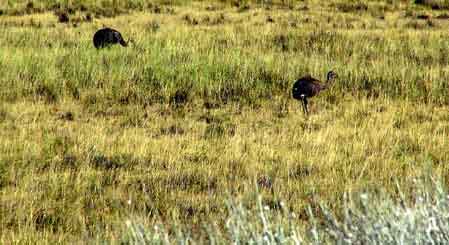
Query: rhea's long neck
point(327, 84)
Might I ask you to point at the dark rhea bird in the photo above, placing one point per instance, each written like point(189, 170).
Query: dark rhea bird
point(307, 87)
point(108, 36)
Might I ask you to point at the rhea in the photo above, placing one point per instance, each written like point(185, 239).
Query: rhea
point(307, 87)
point(108, 36)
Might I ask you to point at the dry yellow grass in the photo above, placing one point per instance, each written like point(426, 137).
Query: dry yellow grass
point(73, 176)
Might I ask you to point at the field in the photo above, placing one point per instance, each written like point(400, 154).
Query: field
point(197, 110)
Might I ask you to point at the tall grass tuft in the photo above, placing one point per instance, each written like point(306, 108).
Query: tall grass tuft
point(376, 219)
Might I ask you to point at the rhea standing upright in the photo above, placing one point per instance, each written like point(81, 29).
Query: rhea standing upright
point(307, 87)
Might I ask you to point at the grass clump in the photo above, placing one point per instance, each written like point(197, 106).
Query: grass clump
point(434, 4)
point(352, 7)
point(367, 219)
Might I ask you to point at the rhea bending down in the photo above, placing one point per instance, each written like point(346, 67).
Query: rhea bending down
point(107, 36)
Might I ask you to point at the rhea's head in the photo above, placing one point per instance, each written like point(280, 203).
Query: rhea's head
point(120, 39)
point(331, 76)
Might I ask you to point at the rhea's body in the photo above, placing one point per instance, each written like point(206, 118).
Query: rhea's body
point(308, 87)
point(107, 36)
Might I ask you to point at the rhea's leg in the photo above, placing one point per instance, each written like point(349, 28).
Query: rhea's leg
point(304, 104)
point(303, 108)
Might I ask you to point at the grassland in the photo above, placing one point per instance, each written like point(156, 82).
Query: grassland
point(198, 109)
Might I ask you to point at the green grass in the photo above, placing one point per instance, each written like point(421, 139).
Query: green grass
point(386, 61)
point(198, 108)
